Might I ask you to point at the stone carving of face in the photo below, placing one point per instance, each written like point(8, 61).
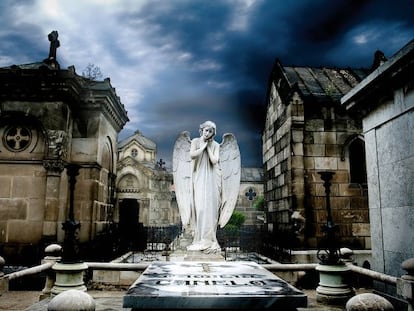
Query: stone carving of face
point(208, 133)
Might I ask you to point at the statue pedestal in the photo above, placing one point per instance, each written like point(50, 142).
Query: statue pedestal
point(200, 256)
point(192, 285)
point(333, 288)
point(68, 276)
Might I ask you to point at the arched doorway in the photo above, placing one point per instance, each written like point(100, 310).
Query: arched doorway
point(131, 231)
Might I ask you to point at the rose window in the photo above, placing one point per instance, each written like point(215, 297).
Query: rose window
point(17, 138)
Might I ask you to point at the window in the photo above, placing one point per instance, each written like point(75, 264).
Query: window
point(17, 138)
point(251, 194)
point(357, 165)
point(134, 153)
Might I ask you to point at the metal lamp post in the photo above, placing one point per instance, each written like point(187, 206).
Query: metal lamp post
point(70, 271)
point(328, 250)
point(333, 287)
point(71, 226)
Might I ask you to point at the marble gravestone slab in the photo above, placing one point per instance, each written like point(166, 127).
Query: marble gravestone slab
point(211, 285)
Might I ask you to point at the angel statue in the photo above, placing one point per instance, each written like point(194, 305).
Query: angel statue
point(207, 180)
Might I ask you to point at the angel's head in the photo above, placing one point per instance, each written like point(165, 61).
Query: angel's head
point(208, 130)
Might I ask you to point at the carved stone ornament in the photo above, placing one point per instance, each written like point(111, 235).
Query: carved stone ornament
point(57, 144)
point(17, 138)
point(54, 165)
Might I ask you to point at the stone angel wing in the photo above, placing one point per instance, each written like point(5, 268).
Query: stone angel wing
point(182, 176)
point(231, 170)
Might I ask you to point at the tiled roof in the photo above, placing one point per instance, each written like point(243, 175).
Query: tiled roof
point(251, 174)
point(320, 83)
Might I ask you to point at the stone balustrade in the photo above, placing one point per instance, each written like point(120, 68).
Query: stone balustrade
point(404, 284)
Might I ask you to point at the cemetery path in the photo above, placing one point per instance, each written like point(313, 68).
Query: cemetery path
point(112, 301)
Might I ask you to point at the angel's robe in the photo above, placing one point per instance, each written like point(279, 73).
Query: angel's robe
point(206, 181)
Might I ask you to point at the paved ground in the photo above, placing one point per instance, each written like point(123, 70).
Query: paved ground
point(112, 301)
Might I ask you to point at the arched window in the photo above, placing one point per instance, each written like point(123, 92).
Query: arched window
point(357, 166)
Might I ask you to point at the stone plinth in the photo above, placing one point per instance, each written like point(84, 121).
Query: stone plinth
point(69, 276)
point(211, 285)
point(333, 286)
point(200, 256)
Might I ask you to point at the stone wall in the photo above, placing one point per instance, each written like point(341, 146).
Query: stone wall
point(277, 163)
point(327, 131)
point(300, 139)
point(390, 156)
point(246, 203)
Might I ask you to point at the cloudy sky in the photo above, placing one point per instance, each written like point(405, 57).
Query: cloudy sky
point(177, 63)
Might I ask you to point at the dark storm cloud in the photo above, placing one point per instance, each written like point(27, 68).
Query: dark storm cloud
point(304, 33)
point(178, 63)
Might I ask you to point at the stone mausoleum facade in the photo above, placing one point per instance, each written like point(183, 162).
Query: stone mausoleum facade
point(307, 131)
point(51, 118)
point(385, 100)
point(143, 184)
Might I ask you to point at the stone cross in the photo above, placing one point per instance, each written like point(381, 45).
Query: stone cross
point(161, 164)
point(54, 44)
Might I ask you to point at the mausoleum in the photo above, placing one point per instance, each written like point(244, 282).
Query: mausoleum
point(51, 118)
point(307, 131)
point(385, 100)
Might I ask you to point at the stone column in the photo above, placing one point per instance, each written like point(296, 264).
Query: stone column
point(54, 169)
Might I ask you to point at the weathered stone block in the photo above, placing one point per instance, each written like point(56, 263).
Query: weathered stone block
point(345, 229)
point(326, 163)
point(314, 150)
point(359, 202)
point(309, 162)
point(21, 231)
point(51, 210)
point(49, 228)
point(297, 136)
point(343, 165)
point(340, 203)
point(86, 211)
point(3, 230)
point(22, 186)
point(398, 218)
point(367, 243)
point(346, 190)
point(325, 138)
point(314, 125)
point(297, 149)
point(35, 210)
point(332, 150)
point(320, 190)
point(361, 229)
point(5, 182)
point(397, 182)
point(13, 209)
point(106, 276)
point(319, 202)
point(126, 278)
point(297, 162)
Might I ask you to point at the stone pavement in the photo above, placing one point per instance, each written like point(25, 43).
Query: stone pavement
point(112, 301)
